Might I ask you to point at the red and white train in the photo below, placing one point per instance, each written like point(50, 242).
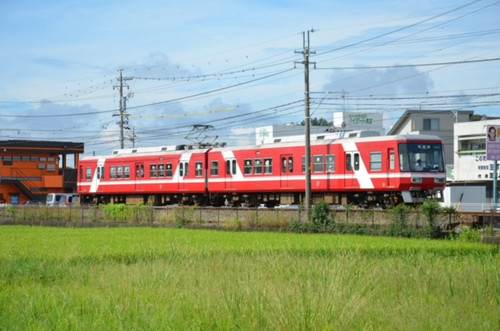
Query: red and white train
point(368, 171)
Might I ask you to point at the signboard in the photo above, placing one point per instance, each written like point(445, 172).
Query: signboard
point(493, 142)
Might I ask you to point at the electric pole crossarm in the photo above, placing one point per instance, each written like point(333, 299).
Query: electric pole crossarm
point(123, 115)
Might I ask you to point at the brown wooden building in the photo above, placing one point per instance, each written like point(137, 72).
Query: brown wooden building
point(29, 170)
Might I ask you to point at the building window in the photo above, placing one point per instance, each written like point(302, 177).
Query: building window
point(26, 158)
point(431, 124)
point(376, 161)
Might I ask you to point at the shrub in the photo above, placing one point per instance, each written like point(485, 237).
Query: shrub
point(399, 226)
point(469, 235)
point(321, 218)
point(431, 209)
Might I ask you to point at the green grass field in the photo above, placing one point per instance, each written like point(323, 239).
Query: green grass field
point(179, 279)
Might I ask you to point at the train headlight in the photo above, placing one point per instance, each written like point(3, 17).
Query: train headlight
point(416, 180)
point(439, 180)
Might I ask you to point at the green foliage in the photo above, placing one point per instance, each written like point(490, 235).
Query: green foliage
point(184, 215)
point(180, 279)
point(318, 122)
point(399, 227)
point(321, 217)
point(469, 235)
point(431, 209)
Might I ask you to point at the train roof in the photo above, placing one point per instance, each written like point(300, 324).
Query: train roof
point(176, 149)
point(405, 137)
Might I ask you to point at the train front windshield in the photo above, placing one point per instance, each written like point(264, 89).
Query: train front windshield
point(421, 157)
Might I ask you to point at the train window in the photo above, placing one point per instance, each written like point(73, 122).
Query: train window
point(168, 171)
point(318, 163)
point(228, 167)
point(126, 172)
point(258, 167)
point(214, 168)
point(356, 161)
point(199, 169)
point(392, 160)
point(112, 172)
point(290, 164)
point(330, 163)
point(186, 169)
point(161, 170)
point(98, 172)
point(268, 166)
point(181, 169)
point(152, 171)
point(234, 167)
point(248, 167)
point(119, 172)
point(376, 161)
point(283, 165)
point(139, 171)
point(88, 174)
point(303, 164)
point(348, 164)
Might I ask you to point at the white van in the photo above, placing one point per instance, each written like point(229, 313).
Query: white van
point(62, 199)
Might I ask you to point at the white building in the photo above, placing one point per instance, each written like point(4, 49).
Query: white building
point(469, 152)
point(359, 121)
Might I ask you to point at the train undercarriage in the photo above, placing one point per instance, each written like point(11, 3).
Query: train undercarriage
point(270, 200)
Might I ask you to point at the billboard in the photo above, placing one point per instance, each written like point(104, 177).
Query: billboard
point(493, 142)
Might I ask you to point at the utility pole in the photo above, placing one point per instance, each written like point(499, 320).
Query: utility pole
point(305, 52)
point(123, 115)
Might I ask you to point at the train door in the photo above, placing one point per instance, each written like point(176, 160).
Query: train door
point(286, 170)
point(231, 170)
point(351, 165)
point(97, 177)
point(183, 175)
point(139, 176)
point(391, 168)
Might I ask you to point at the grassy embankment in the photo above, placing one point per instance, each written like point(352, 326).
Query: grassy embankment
point(144, 278)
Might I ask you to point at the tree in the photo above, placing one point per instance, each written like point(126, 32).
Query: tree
point(318, 122)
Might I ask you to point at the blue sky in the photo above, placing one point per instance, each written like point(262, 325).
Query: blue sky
point(233, 65)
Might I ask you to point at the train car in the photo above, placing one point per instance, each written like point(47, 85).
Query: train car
point(161, 175)
point(374, 171)
point(370, 171)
